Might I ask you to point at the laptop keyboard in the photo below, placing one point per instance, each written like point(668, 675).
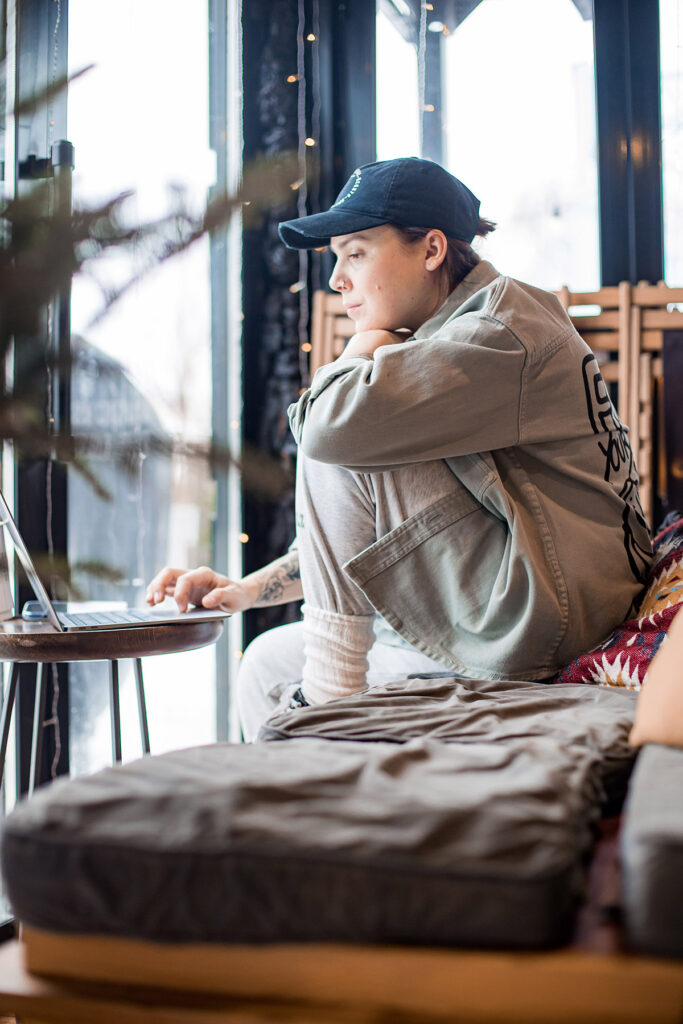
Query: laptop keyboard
point(106, 618)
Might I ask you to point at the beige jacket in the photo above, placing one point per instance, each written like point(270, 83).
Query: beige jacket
point(543, 548)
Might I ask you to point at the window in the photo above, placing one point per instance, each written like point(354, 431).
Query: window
point(139, 121)
point(398, 122)
point(519, 129)
point(521, 134)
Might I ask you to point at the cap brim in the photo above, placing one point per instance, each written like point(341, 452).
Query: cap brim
point(317, 230)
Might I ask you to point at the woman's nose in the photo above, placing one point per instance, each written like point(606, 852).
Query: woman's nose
point(337, 281)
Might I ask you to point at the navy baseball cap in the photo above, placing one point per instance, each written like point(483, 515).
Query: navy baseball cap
point(406, 191)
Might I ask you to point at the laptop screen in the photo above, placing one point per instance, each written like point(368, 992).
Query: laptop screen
point(6, 520)
point(6, 602)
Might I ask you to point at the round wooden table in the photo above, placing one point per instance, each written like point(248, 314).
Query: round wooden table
point(40, 644)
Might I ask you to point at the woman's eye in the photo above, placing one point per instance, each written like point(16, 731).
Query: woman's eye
point(354, 255)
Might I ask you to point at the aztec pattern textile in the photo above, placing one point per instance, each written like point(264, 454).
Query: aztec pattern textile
point(624, 657)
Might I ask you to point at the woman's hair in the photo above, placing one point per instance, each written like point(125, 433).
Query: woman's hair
point(460, 256)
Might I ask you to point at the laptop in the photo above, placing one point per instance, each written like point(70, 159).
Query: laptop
point(106, 619)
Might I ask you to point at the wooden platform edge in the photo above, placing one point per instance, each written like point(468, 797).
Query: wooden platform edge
point(563, 986)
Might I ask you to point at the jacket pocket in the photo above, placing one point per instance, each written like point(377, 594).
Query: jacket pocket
point(432, 577)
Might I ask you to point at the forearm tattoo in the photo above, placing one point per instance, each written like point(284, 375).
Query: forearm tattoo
point(281, 580)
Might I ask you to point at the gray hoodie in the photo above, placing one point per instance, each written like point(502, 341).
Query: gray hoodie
point(543, 547)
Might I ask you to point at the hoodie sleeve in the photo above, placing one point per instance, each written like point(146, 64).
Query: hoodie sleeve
point(455, 394)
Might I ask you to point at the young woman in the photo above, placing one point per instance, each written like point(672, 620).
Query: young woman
point(467, 498)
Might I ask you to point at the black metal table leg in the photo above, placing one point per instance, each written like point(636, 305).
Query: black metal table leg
point(38, 719)
point(6, 716)
point(115, 709)
point(142, 705)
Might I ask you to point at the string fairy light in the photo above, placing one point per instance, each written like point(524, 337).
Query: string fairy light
point(307, 141)
point(316, 100)
point(422, 67)
point(302, 190)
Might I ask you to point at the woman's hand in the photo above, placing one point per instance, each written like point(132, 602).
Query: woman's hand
point(366, 342)
point(202, 587)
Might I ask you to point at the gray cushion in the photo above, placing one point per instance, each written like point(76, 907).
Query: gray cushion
point(458, 710)
point(469, 826)
point(652, 852)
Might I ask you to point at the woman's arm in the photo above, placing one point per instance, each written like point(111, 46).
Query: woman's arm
point(383, 403)
point(364, 343)
point(276, 583)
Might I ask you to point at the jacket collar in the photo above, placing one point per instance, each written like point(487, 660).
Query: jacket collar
point(478, 278)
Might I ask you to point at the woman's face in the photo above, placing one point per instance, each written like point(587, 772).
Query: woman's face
point(387, 284)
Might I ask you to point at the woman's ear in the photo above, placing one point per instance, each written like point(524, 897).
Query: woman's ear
point(436, 247)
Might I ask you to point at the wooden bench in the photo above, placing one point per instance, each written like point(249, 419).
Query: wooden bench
point(115, 981)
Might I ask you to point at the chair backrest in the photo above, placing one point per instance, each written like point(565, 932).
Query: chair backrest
point(623, 325)
point(330, 329)
point(628, 330)
point(601, 318)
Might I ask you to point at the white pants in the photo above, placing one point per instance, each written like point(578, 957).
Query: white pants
point(339, 513)
point(272, 665)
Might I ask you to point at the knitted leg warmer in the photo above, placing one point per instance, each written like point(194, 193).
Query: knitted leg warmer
point(336, 648)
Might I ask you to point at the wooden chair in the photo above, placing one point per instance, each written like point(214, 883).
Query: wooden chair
point(330, 329)
point(605, 329)
point(651, 314)
point(623, 325)
point(601, 318)
point(627, 329)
